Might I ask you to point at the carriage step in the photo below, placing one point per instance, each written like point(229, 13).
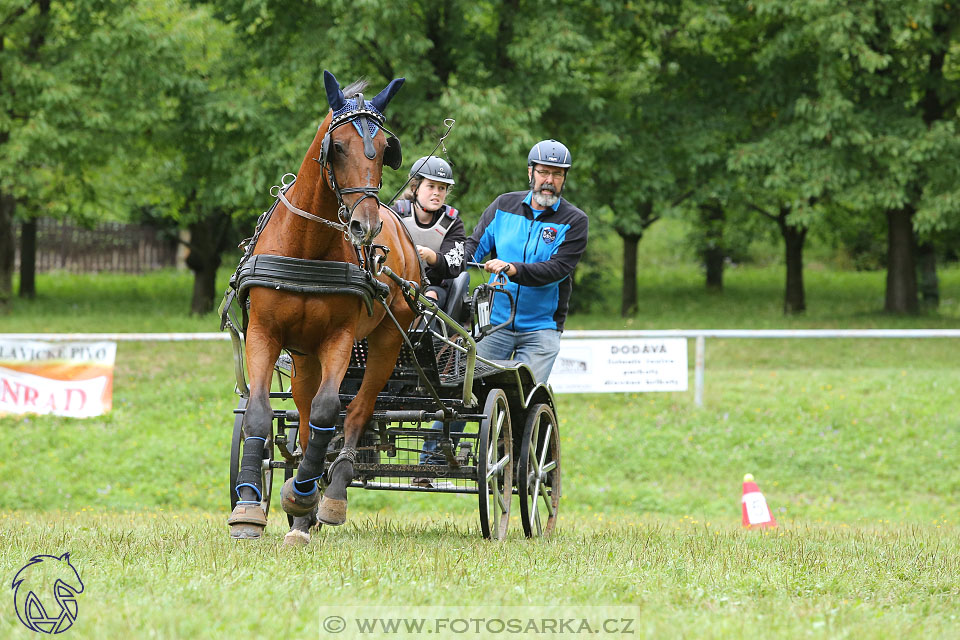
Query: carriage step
point(413, 471)
point(293, 416)
point(395, 486)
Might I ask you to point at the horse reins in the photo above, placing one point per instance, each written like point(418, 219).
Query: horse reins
point(448, 122)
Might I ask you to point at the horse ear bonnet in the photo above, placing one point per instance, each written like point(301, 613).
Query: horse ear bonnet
point(324, 148)
point(392, 155)
point(334, 94)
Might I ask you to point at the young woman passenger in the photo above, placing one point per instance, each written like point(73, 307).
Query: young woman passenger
point(436, 227)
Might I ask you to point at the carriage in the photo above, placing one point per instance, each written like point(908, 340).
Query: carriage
point(325, 310)
point(509, 443)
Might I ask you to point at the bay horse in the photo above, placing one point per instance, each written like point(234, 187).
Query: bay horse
point(331, 213)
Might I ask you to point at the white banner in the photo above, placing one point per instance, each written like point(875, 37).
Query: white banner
point(64, 378)
point(608, 365)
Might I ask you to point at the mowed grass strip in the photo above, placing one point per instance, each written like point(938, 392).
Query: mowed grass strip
point(170, 575)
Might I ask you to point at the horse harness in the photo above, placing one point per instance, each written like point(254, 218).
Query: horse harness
point(322, 276)
point(300, 275)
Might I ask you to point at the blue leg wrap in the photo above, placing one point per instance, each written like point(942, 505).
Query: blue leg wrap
point(251, 465)
point(311, 468)
point(255, 488)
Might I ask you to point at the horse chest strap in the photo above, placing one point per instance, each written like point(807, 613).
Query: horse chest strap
point(307, 276)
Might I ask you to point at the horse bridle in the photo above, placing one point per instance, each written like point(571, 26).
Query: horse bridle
point(392, 158)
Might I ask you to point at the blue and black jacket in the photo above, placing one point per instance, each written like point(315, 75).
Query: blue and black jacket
point(544, 246)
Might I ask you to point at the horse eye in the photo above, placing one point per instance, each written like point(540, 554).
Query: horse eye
point(338, 146)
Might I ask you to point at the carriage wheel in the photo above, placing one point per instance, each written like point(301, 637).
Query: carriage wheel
point(236, 449)
point(538, 472)
point(494, 469)
point(293, 439)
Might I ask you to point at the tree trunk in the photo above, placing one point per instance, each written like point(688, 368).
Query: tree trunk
point(794, 296)
point(28, 259)
point(628, 296)
point(208, 239)
point(204, 287)
point(901, 296)
point(7, 248)
point(927, 280)
point(712, 217)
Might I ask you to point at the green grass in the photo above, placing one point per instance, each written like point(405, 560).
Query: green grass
point(176, 576)
point(853, 442)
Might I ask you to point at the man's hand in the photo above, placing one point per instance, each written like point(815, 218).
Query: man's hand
point(427, 254)
point(496, 266)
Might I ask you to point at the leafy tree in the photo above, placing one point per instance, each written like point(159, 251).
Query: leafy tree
point(874, 119)
point(73, 98)
point(222, 144)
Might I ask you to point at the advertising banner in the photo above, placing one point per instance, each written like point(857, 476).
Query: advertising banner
point(607, 365)
point(60, 378)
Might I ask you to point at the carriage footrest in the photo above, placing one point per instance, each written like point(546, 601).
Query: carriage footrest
point(372, 470)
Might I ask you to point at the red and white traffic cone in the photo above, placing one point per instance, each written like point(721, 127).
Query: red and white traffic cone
point(756, 513)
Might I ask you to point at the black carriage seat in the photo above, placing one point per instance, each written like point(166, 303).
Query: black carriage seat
point(455, 306)
point(405, 377)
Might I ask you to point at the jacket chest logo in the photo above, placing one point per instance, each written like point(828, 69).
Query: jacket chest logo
point(549, 234)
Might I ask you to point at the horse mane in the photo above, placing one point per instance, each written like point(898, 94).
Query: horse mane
point(355, 87)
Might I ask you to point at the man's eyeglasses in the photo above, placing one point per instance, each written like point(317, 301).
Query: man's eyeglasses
point(556, 175)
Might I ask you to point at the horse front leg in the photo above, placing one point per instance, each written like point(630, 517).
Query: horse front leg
point(383, 347)
point(248, 519)
point(306, 382)
point(299, 496)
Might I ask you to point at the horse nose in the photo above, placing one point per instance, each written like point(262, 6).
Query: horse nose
point(358, 231)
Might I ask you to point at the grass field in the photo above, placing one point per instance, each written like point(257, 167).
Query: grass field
point(854, 443)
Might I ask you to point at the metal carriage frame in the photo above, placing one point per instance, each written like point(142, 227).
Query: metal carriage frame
point(510, 444)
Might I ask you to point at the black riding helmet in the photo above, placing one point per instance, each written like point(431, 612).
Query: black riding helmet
point(550, 152)
point(433, 168)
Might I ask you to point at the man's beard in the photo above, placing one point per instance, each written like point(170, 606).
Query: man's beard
point(546, 198)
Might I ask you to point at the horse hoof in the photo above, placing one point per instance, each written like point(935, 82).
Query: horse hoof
point(296, 538)
point(247, 522)
point(246, 532)
point(332, 511)
point(296, 504)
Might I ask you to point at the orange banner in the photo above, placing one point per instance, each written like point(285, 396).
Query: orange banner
point(61, 378)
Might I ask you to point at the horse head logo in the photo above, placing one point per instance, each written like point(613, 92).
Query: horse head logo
point(45, 594)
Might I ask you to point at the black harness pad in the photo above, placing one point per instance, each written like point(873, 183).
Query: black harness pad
point(309, 276)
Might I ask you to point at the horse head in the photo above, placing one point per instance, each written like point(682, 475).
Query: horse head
point(354, 148)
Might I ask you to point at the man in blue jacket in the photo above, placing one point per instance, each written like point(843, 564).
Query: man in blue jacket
point(536, 238)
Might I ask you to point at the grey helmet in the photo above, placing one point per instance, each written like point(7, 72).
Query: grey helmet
point(550, 152)
point(433, 168)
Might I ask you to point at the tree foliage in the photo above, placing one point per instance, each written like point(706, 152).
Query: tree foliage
point(824, 117)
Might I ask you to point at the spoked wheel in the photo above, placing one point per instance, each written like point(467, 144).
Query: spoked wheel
point(538, 472)
point(494, 467)
point(236, 450)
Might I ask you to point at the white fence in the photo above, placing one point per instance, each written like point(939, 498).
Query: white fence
point(700, 335)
